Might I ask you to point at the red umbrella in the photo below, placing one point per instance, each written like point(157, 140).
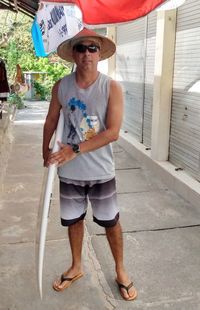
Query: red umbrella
point(99, 12)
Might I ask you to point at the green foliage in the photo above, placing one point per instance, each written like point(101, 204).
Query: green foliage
point(42, 89)
point(19, 50)
point(17, 100)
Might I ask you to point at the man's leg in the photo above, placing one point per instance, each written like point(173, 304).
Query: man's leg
point(115, 239)
point(76, 233)
point(106, 213)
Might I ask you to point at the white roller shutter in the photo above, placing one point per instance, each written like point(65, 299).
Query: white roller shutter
point(130, 72)
point(185, 117)
point(135, 70)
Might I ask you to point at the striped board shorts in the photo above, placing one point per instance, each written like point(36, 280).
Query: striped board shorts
point(74, 197)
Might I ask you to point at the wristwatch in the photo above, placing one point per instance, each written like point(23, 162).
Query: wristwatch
point(76, 148)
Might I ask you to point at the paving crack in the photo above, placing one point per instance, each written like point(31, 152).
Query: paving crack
point(111, 302)
point(154, 229)
point(142, 191)
point(128, 168)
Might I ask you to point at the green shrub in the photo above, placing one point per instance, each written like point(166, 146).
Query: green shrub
point(16, 100)
point(41, 90)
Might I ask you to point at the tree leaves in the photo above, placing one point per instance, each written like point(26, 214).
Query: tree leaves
point(19, 49)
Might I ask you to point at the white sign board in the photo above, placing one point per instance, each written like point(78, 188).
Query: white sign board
point(57, 24)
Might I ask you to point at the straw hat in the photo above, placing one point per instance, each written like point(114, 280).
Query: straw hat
point(107, 46)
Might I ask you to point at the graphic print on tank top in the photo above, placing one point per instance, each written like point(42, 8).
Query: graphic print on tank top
point(80, 123)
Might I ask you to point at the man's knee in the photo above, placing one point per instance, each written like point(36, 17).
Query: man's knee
point(71, 222)
point(107, 223)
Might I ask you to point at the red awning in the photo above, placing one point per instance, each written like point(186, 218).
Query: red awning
point(99, 12)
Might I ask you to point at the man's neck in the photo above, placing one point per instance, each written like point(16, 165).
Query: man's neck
point(85, 78)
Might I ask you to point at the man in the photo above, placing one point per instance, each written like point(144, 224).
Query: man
point(92, 104)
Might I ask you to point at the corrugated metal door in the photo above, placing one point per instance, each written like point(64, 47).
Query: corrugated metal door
point(185, 117)
point(130, 72)
point(135, 70)
point(151, 21)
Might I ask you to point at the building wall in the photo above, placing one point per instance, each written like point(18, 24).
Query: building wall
point(162, 110)
point(184, 149)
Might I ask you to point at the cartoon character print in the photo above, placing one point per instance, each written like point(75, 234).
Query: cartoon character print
point(89, 125)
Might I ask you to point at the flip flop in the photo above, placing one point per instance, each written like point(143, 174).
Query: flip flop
point(127, 288)
point(68, 281)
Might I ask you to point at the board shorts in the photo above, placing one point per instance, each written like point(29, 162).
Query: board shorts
point(74, 198)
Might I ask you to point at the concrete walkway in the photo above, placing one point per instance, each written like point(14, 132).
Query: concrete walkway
point(161, 236)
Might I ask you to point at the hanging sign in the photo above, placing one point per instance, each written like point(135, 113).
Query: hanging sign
point(56, 24)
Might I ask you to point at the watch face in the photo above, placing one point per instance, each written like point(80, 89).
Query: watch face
point(76, 148)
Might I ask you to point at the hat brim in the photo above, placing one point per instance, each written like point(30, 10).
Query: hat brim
point(107, 47)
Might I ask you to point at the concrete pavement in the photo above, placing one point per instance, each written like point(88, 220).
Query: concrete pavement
point(161, 236)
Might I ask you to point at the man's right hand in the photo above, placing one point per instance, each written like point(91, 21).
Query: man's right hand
point(64, 155)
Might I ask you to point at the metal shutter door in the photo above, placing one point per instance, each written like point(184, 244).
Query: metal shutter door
point(130, 73)
point(185, 117)
point(151, 21)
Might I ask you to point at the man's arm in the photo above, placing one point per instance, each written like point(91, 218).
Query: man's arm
point(110, 134)
point(51, 122)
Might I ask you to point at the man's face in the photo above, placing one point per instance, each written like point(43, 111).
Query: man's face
point(86, 54)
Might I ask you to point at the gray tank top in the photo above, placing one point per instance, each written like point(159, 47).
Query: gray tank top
point(85, 116)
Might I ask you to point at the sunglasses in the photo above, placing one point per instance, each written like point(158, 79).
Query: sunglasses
point(81, 48)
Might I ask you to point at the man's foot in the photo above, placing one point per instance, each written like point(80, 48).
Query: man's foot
point(128, 292)
point(125, 285)
point(66, 279)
